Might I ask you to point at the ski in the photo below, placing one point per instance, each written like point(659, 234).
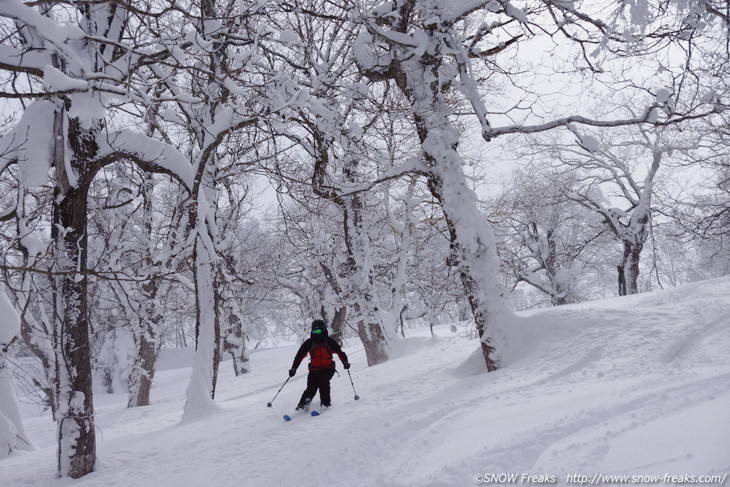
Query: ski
point(288, 417)
point(320, 411)
point(296, 413)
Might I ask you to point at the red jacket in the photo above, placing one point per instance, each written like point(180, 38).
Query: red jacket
point(321, 354)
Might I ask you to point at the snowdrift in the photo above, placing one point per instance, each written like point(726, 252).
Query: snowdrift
point(636, 386)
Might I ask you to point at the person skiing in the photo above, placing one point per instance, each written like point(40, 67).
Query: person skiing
point(320, 346)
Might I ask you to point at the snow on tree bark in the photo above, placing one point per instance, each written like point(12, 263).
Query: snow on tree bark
point(418, 63)
point(201, 389)
point(225, 110)
point(142, 367)
point(76, 430)
point(148, 317)
point(473, 252)
point(235, 343)
point(404, 230)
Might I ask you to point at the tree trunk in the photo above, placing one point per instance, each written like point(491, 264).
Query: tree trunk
point(338, 323)
point(373, 339)
point(36, 338)
point(370, 329)
point(143, 367)
point(632, 255)
point(146, 333)
point(76, 430)
point(559, 300)
point(473, 252)
point(621, 280)
point(235, 341)
point(472, 242)
point(201, 389)
point(393, 320)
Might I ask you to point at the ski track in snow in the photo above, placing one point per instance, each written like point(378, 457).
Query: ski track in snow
point(635, 385)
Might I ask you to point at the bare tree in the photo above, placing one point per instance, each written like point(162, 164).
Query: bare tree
point(546, 239)
point(618, 174)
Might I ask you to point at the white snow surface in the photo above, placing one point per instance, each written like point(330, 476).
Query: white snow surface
point(637, 385)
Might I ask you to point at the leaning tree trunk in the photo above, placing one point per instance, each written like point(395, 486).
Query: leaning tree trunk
point(472, 242)
point(472, 251)
point(418, 73)
point(76, 430)
point(337, 323)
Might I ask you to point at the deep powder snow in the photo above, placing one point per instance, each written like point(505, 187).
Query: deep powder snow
point(637, 385)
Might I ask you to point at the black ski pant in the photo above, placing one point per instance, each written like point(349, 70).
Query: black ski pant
point(317, 380)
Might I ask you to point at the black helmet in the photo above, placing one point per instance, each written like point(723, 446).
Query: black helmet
point(319, 330)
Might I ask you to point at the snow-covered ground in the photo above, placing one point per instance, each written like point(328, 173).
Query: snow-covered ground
point(628, 386)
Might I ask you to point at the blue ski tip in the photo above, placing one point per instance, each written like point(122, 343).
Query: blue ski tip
point(287, 417)
point(314, 413)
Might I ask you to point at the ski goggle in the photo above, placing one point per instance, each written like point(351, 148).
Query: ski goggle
point(317, 331)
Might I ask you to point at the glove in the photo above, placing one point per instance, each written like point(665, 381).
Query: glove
point(292, 371)
point(346, 365)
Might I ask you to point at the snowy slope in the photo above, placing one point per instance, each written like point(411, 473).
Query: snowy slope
point(637, 385)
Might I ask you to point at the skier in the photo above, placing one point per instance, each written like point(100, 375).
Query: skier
point(320, 347)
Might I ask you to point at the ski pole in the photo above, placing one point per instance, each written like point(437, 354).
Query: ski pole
point(353, 385)
point(268, 404)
